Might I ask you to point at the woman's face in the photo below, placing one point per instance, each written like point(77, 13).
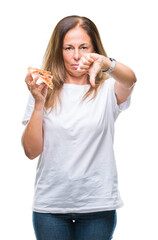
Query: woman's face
point(76, 43)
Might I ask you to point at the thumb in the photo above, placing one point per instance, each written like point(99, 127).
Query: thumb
point(92, 79)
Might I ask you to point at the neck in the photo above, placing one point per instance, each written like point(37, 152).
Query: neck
point(82, 80)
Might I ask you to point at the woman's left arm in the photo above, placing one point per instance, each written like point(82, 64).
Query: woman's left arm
point(125, 81)
point(124, 76)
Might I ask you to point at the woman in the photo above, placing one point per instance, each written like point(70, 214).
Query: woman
point(71, 128)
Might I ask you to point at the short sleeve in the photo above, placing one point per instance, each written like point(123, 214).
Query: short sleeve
point(29, 110)
point(117, 109)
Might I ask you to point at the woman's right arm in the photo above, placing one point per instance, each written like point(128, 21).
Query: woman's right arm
point(32, 138)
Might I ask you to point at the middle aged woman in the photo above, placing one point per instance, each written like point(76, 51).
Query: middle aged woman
point(71, 128)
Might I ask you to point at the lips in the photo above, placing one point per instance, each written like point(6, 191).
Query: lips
point(75, 65)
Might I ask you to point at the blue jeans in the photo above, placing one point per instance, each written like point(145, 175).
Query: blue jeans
point(75, 226)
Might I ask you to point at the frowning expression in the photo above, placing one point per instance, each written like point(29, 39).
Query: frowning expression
point(76, 43)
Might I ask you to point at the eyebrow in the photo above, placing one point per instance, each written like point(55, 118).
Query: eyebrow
point(67, 44)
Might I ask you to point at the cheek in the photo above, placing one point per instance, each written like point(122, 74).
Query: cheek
point(66, 58)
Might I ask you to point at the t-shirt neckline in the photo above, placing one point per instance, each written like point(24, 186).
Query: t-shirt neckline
point(73, 85)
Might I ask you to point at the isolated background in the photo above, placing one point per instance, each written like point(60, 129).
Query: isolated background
point(128, 31)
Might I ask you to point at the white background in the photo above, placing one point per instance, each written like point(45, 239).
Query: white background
point(129, 33)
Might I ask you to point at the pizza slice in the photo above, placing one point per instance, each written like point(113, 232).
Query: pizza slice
point(45, 76)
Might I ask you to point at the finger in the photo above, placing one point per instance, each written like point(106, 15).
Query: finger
point(94, 56)
point(44, 90)
point(41, 86)
point(35, 79)
point(84, 64)
point(33, 83)
point(86, 60)
point(83, 67)
point(89, 59)
point(28, 78)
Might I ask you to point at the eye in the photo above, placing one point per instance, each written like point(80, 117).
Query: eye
point(84, 48)
point(68, 48)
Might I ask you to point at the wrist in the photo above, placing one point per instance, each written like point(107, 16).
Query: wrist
point(106, 64)
point(39, 106)
point(109, 65)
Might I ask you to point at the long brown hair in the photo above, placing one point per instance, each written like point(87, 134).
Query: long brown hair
point(53, 58)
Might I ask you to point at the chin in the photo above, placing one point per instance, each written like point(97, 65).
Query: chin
point(78, 74)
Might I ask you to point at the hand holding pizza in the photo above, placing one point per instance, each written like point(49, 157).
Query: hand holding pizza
point(38, 91)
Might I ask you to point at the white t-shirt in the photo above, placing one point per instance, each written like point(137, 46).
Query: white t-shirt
point(76, 171)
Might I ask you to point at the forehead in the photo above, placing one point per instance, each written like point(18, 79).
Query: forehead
point(76, 35)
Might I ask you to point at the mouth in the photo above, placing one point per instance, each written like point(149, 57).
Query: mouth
point(75, 65)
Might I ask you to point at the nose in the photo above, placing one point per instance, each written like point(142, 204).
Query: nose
point(77, 55)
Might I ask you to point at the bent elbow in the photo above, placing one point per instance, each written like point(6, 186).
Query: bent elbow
point(32, 154)
point(133, 76)
point(30, 151)
point(133, 79)
point(31, 157)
